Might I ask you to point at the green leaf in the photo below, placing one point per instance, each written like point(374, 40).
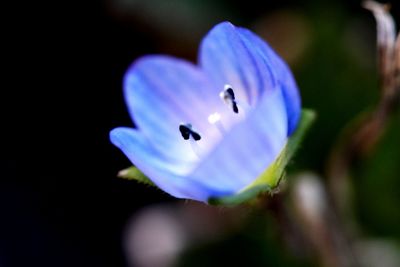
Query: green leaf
point(133, 173)
point(270, 179)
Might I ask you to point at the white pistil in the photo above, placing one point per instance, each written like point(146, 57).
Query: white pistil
point(215, 119)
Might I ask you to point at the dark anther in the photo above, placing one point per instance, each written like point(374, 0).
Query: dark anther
point(196, 136)
point(231, 93)
point(235, 107)
point(186, 132)
point(229, 97)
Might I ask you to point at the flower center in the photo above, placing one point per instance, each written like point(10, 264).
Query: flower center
point(215, 119)
point(228, 96)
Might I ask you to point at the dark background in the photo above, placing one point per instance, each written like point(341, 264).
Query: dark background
point(60, 201)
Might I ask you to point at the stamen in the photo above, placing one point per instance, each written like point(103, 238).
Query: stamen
point(187, 132)
point(229, 97)
point(215, 119)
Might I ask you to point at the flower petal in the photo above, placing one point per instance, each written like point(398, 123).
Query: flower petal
point(228, 59)
point(248, 149)
point(161, 93)
point(159, 169)
point(281, 73)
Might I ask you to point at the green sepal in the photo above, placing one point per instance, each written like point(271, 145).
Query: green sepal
point(133, 173)
point(269, 180)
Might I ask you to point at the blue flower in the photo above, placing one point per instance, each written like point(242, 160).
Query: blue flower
point(209, 130)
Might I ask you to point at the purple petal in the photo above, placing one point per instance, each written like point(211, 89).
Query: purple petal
point(159, 169)
point(281, 73)
point(249, 148)
point(229, 59)
point(161, 93)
